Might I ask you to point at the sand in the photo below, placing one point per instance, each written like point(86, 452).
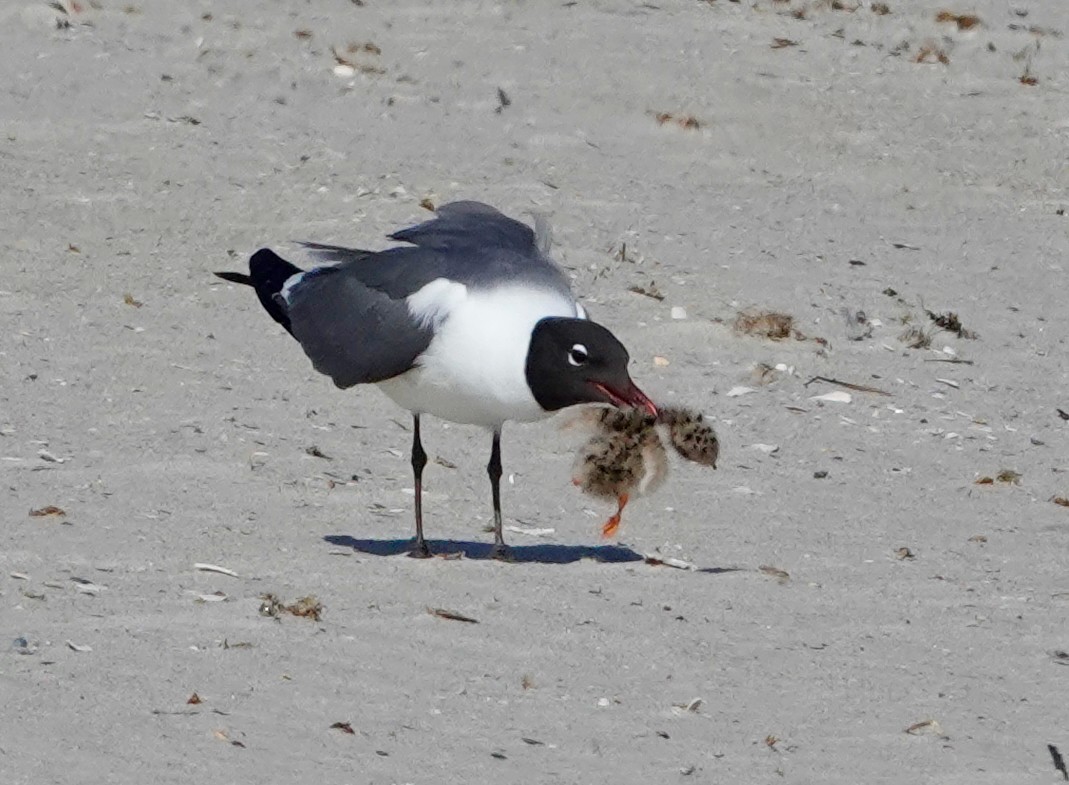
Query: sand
point(149, 144)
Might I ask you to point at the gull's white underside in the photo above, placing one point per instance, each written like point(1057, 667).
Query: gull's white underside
point(473, 370)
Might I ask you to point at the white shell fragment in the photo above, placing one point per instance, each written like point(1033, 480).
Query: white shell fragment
point(735, 392)
point(214, 568)
point(834, 397)
point(344, 71)
point(679, 312)
point(668, 561)
point(77, 647)
point(530, 531)
point(692, 705)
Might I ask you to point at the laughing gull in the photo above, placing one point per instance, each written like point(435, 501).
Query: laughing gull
point(469, 321)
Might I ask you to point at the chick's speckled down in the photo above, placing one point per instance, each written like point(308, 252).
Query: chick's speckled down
point(692, 437)
point(621, 461)
point(626, 456)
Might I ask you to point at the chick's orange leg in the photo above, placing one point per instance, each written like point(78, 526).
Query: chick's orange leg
point(611, 525)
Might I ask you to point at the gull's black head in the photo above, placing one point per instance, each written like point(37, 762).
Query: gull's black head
point(573, 361)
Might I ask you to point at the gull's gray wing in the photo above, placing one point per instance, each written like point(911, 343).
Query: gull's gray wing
point(466, 225)
point(350, 332)
point(467, 242)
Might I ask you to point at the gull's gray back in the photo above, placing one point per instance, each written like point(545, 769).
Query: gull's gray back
point(468, 242)
point(352, 319)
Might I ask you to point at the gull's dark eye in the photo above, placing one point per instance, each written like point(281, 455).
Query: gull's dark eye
point(577, 355)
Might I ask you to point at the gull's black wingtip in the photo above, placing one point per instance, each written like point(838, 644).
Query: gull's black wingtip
point(241, 278)
point(335, 253)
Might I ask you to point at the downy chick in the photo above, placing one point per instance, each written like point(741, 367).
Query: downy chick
point(625, 458)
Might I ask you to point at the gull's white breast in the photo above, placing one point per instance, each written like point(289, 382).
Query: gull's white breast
point(473, 370)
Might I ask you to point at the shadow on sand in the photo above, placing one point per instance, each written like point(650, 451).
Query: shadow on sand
point(536, 554)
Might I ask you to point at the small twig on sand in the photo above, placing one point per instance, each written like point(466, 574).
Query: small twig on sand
point(214, 568)
point(442, 613)
point(848, 385)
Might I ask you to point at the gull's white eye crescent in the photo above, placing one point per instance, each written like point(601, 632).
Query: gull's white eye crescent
point(577, 355)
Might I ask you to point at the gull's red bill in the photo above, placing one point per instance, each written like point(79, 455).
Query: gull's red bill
point(629, 396)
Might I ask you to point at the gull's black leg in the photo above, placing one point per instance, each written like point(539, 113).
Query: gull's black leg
point(419, 460)
point(500, 550)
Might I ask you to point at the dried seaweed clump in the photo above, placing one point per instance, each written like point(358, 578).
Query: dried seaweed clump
point(685, 121)
point(950, 322)
point(963, 21)
point(931, 52)
point(915, 337)
point(308, 607)
point(764, 324)
point(1007, 476)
